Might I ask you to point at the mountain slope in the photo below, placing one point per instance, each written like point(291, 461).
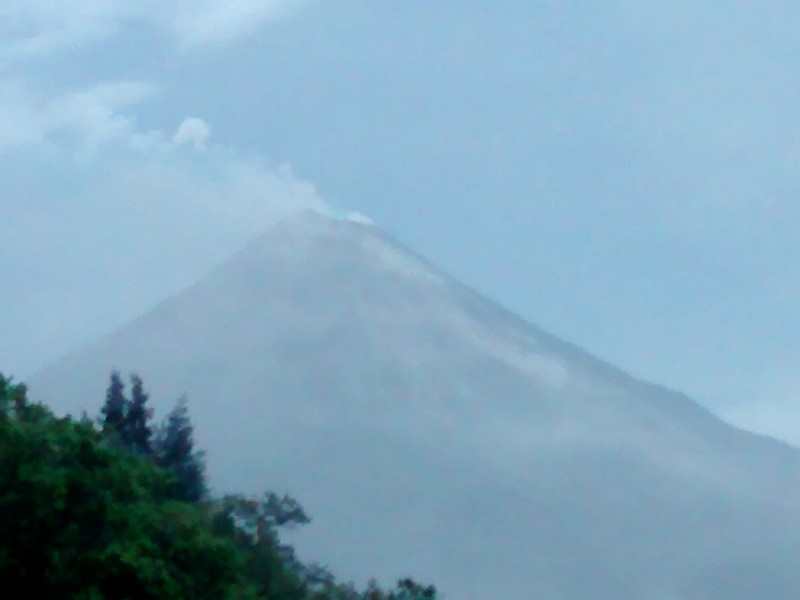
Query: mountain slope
point(431, 432)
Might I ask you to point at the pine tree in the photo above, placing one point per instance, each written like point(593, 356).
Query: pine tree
point(84, 519)
point(408, 589)
point(115, 408)
point(6, 389)
point(13, 397)
point(175, 451)
point(136, 432)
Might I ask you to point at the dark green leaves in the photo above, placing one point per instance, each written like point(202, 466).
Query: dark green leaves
point(100, 514)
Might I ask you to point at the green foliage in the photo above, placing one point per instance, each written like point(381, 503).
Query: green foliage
point(281, 511)
point(125, 420)
point(175, 452)
point(137, 433)
point(270, 566)
point(13, 398)
point(115, 407)
point(88, 514)
point(408, 589)
point(81, 518)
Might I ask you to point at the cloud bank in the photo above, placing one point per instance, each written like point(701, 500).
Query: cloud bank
point(193, 131)
point(102, 218)
point(38, 27)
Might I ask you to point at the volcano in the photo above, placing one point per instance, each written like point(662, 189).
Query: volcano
point(430, 432)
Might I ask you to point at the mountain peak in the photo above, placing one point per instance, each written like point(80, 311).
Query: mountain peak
point(424, 426)
point(329, 216)
point(347, 242)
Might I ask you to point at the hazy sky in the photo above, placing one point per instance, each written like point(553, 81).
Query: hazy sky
point(622, 173)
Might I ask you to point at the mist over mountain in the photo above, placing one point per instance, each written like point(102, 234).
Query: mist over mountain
point(429, 431)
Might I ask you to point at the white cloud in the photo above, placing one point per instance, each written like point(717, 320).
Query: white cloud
point(85, 118)
point(93, 115)
point(120, 94)
point(104, 219)
point(347, 215)
point(37, 27)
point(20, 122)
point(193, 131)
point(105, 237)
point(361, 219)
point(196, 22)
point(90, 129)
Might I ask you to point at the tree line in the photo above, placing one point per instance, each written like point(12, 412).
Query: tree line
point(127, 423)
point(116, 508)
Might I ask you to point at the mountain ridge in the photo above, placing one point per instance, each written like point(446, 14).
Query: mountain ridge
point(328, 360)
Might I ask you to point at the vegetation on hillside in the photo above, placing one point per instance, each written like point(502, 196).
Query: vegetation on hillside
point(117, 509)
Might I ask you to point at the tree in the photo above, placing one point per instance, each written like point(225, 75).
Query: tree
point(271, 567)
point(13, 397)
point(283, 511)
point(175, 451)
point(6, 391)
point(82, 518)
point(115, 408)
point(408, 589)
point(136, 431)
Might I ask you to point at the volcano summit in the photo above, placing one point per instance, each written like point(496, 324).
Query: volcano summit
point(429, 430)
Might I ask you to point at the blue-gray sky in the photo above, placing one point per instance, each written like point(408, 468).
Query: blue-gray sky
point(623, 174)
